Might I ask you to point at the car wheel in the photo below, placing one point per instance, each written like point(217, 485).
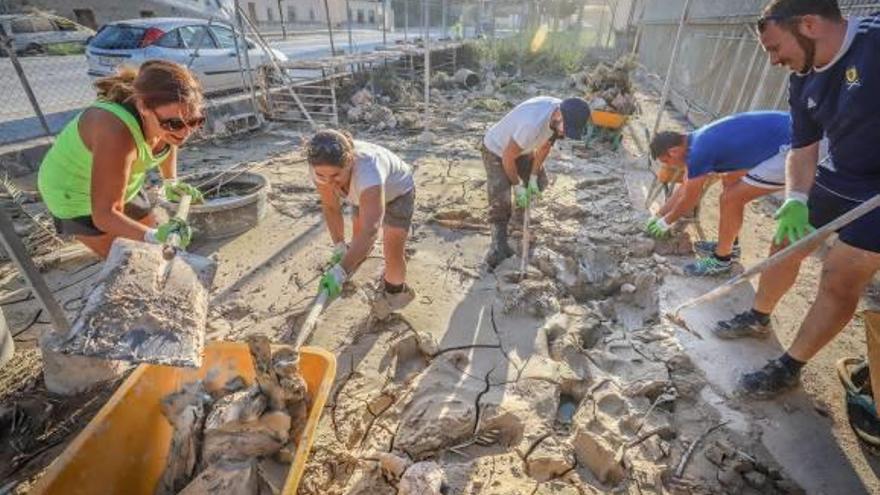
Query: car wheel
point(34, 49)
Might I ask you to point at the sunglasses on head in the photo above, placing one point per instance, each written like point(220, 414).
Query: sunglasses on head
point(177, 124)
point(763, 21)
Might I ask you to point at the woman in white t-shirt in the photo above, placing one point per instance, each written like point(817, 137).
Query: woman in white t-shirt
point(379, 185)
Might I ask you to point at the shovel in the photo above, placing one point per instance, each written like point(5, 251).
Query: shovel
point(774, 260)
point(149, 305)
point(524, 262)
point(311, 321)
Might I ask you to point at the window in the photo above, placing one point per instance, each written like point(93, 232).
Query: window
point(360, 18)
point(225, 37)
point(311, 13)
point(252, 11)
point(170, 39)
point(291, 13)
point(371, 14)
point(196, 37)
point(118, 37)
point(269, 15)
point(42, 24)
point(147, 13)
point(22, 25)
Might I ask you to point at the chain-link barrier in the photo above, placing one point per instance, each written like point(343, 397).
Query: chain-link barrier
point(722, 68)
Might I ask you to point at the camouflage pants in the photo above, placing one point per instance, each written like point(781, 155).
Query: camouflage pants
point(498, 185)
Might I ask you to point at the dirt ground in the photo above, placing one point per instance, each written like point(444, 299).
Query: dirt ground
point(566, 382)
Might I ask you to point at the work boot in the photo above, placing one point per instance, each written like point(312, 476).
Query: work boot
point(386, 303)
point(500, 249)
point(745, 324)
point(708, 248)
point(707, 267)
point(768, 382)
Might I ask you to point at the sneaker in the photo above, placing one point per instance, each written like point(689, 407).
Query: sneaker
point(863, 419)
point(745, 324)
point(768, 382)
point(707, 248)
point(707, 267)
point(387, 303)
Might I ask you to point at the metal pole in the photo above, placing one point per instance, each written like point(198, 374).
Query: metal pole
point(18, 254)
point(444, 13)
point(329, 28)
point(718, 78)
point(283, 24)
point(406, 21)
point(745, 81)
point(715, 49)
point(427, 79)
point(6, 42)
point(348, 17)
point(729, 80)
point(384, 22)
point(667, 83)
point(247, 58)
point(759, 90)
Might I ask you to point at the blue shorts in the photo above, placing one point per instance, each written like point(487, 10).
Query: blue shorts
point(863, 233)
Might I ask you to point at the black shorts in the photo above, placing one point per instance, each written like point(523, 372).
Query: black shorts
point(136, 209)
point(863, 233)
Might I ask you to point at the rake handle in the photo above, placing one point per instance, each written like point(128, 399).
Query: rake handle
point(172, 243)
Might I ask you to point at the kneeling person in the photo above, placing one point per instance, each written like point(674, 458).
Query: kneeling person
point(747, 150)
point(514, 150)
point(380, 187)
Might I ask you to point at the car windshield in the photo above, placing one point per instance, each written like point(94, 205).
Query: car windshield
point(118, 37)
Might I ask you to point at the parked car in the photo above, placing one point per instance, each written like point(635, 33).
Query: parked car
point(206, 47)
point(36, 34)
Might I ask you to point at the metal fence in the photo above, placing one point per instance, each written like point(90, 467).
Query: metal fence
point(720, 68)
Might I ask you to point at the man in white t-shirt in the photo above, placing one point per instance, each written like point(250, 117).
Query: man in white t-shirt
point(514, 150)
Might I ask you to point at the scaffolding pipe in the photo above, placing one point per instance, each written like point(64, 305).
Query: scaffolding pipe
point(745, 83)
point(427, 79)
point(715, 50)
point(348, 17)
point(667, 82)
point(329, 28)
point(759, 90)
point(729, 82)
point(247, 57)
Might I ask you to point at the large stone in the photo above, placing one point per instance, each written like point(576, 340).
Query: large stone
point(597, 454)
point(550, 459)
point(233, 478)
point(70, 375)
point(422, 478)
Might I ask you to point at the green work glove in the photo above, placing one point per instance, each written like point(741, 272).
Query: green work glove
point(339, 250)
point(534, 190)
point(332, 281)
point(658, 228)
point(173, 226)
point(173, 189)
point(521, 194)
point(794, 221)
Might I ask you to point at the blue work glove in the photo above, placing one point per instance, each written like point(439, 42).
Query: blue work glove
point(794, 221)
point(332, 281)
point(173, 189)
point(173, 226)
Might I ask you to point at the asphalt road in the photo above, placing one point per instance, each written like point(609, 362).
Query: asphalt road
point(62, 86)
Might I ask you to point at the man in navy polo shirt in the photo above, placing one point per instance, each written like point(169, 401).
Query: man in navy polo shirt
point(835, 92)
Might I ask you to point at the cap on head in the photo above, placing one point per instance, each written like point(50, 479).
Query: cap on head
point(575, 114)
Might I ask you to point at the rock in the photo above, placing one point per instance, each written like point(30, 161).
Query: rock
point(362, 97)
point(422, 478)
point(597, 454)
point(679, 244)
point(641, 247)
point(69, 374)
point(226, 478)
point(598, 103)
point(185, 410)
point(549, 459)
point(731, 480)
point(239, 441)
point(535, 297)
point(627, 288)
point(393, 466)
point(755, 479)
point(246, 406)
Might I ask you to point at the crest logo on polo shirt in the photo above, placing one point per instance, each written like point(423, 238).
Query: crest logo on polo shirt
point(852, 78)
point(811, 103)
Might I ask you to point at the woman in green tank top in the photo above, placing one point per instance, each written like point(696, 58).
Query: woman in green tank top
point(92, 178)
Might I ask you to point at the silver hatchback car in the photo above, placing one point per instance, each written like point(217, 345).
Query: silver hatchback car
point(206, 47)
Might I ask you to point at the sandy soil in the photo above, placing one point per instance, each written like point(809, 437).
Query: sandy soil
point(566, 382)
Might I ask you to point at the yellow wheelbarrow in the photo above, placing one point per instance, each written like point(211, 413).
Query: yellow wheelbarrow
point(123, 450)
point(607, 125)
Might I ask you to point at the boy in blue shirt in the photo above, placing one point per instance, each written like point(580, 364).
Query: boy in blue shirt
point(747, 150)
point(834, 92)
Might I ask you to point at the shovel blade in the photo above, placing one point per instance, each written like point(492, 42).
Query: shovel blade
point(145, 309)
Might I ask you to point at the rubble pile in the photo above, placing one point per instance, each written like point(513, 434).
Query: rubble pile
point(608, 87)
point(365, 109)
point(237, 439)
